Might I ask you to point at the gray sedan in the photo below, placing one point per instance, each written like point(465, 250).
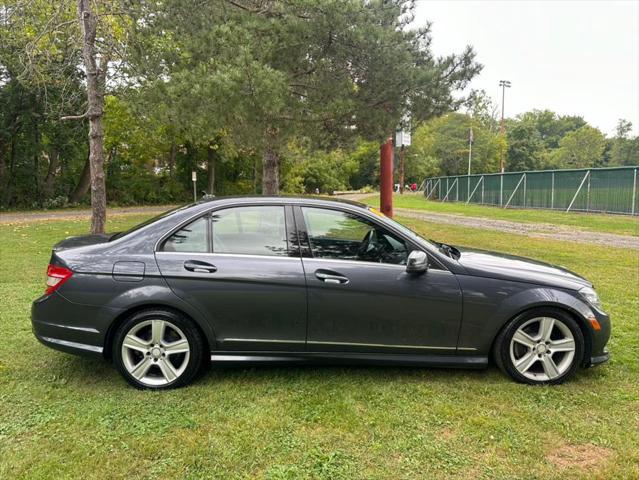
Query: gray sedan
point(302, 280)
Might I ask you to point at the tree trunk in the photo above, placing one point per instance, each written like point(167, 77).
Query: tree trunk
point(47, 184)
point(96, 75)
point(83, 183)
point(270, 166)
point(210, 165)
point(171, 159)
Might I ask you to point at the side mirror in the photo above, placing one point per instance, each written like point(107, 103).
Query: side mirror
point(417, 262)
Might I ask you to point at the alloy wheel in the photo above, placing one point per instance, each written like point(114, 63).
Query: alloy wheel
point(155, 352)
point(542, 349)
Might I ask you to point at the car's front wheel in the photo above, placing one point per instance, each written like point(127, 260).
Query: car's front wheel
point(158, 349)
point(541, 346)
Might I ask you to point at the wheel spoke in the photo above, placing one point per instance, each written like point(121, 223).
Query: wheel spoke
point(549, 367)
point(157, 331)
point(545, 328)
point(525, 362)
point(141, 369)
point(167, 369)
point(563, 345)
point(135, 343)
point(179, 346)
point(523, 338)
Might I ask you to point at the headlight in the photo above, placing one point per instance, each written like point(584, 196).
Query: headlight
point(591, 296)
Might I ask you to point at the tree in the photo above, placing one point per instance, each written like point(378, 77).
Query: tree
point(273, 71)
point(440, 146)
point(581, 148)
point(526, 148)
point(623, 149)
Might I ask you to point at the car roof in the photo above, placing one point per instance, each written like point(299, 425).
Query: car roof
point(277, 199)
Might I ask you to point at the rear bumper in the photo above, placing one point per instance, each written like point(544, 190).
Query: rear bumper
point(70, 327)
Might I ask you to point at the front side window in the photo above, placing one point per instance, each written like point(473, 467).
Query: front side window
point(191, 238)
point(344, 236)
point(259, 230)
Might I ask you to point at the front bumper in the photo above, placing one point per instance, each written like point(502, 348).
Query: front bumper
point(599, 338)
point(70, 327)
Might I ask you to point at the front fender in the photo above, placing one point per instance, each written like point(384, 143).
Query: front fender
point(490, 303)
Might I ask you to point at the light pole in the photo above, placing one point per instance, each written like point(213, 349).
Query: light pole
point(504, 84)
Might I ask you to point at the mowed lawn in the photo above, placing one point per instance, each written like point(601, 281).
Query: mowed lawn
point(70, 417)
point(619, 224)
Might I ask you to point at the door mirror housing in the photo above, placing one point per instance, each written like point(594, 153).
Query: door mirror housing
point(417, 262)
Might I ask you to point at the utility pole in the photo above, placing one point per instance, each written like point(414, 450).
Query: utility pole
point(386, 177)
point(504, 84)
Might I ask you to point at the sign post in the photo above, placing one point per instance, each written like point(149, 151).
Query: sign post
point(402, 139)
point(194, 180)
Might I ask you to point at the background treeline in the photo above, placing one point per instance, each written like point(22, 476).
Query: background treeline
point(256, 96)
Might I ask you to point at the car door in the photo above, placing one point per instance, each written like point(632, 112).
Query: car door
point(360, 298)
point(238, 267)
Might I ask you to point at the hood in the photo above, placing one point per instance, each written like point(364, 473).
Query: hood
point(82, 241)
point(483, 263)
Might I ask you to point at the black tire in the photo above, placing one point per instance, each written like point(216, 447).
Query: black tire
point(191, 366)
point(502, 353)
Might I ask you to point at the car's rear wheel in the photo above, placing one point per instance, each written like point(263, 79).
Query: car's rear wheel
point(158, 349)
point(541, 346)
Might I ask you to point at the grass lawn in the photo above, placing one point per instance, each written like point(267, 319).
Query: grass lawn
point(70, 417)
point(620, 224)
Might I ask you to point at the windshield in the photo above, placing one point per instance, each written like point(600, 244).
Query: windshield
point(147, 222)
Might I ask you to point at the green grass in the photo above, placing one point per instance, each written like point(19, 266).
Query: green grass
point(619, 224)
point(71, 417)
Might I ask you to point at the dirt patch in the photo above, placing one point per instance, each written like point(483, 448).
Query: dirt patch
point(585, 456)
point(538, 230)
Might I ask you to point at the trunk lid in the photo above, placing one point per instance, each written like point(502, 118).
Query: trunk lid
point(81, 241)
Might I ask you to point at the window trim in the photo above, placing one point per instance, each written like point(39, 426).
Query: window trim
point(194, 219)
point(289, 226)
point(307, 251)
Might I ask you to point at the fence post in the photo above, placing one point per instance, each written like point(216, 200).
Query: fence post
point(525, 181)
point(587, 175)
point(457, 190)
point(482, 189)
point(634, 191)
point(501, 189)
point(588, 193)
point(552, 191)
point(447, 190)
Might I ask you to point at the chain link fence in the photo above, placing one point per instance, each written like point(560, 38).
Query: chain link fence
point(605, 190)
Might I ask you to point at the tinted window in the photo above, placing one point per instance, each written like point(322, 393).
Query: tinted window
point(250, 230)
point(191, 238)
point(344, 236)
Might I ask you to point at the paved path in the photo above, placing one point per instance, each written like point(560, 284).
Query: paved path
point(537, 230)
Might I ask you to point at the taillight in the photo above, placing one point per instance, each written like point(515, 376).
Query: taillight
point(56, 276)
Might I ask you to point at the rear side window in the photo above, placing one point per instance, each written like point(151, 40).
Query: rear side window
point(259, 230)
point(191, 238)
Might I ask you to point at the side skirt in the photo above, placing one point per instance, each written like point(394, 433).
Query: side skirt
point(332, 358)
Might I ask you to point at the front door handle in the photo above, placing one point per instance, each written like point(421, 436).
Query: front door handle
point(327, 276)
point(199, 267)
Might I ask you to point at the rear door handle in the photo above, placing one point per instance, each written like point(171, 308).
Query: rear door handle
point(199, 267)
point(330, 277)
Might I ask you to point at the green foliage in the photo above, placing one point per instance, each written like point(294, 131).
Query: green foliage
point(441, 147)
point(580, 148)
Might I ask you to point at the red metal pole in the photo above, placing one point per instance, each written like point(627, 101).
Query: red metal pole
point(386, 178)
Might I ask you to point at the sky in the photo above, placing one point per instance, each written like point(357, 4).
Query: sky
point(575, 57)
